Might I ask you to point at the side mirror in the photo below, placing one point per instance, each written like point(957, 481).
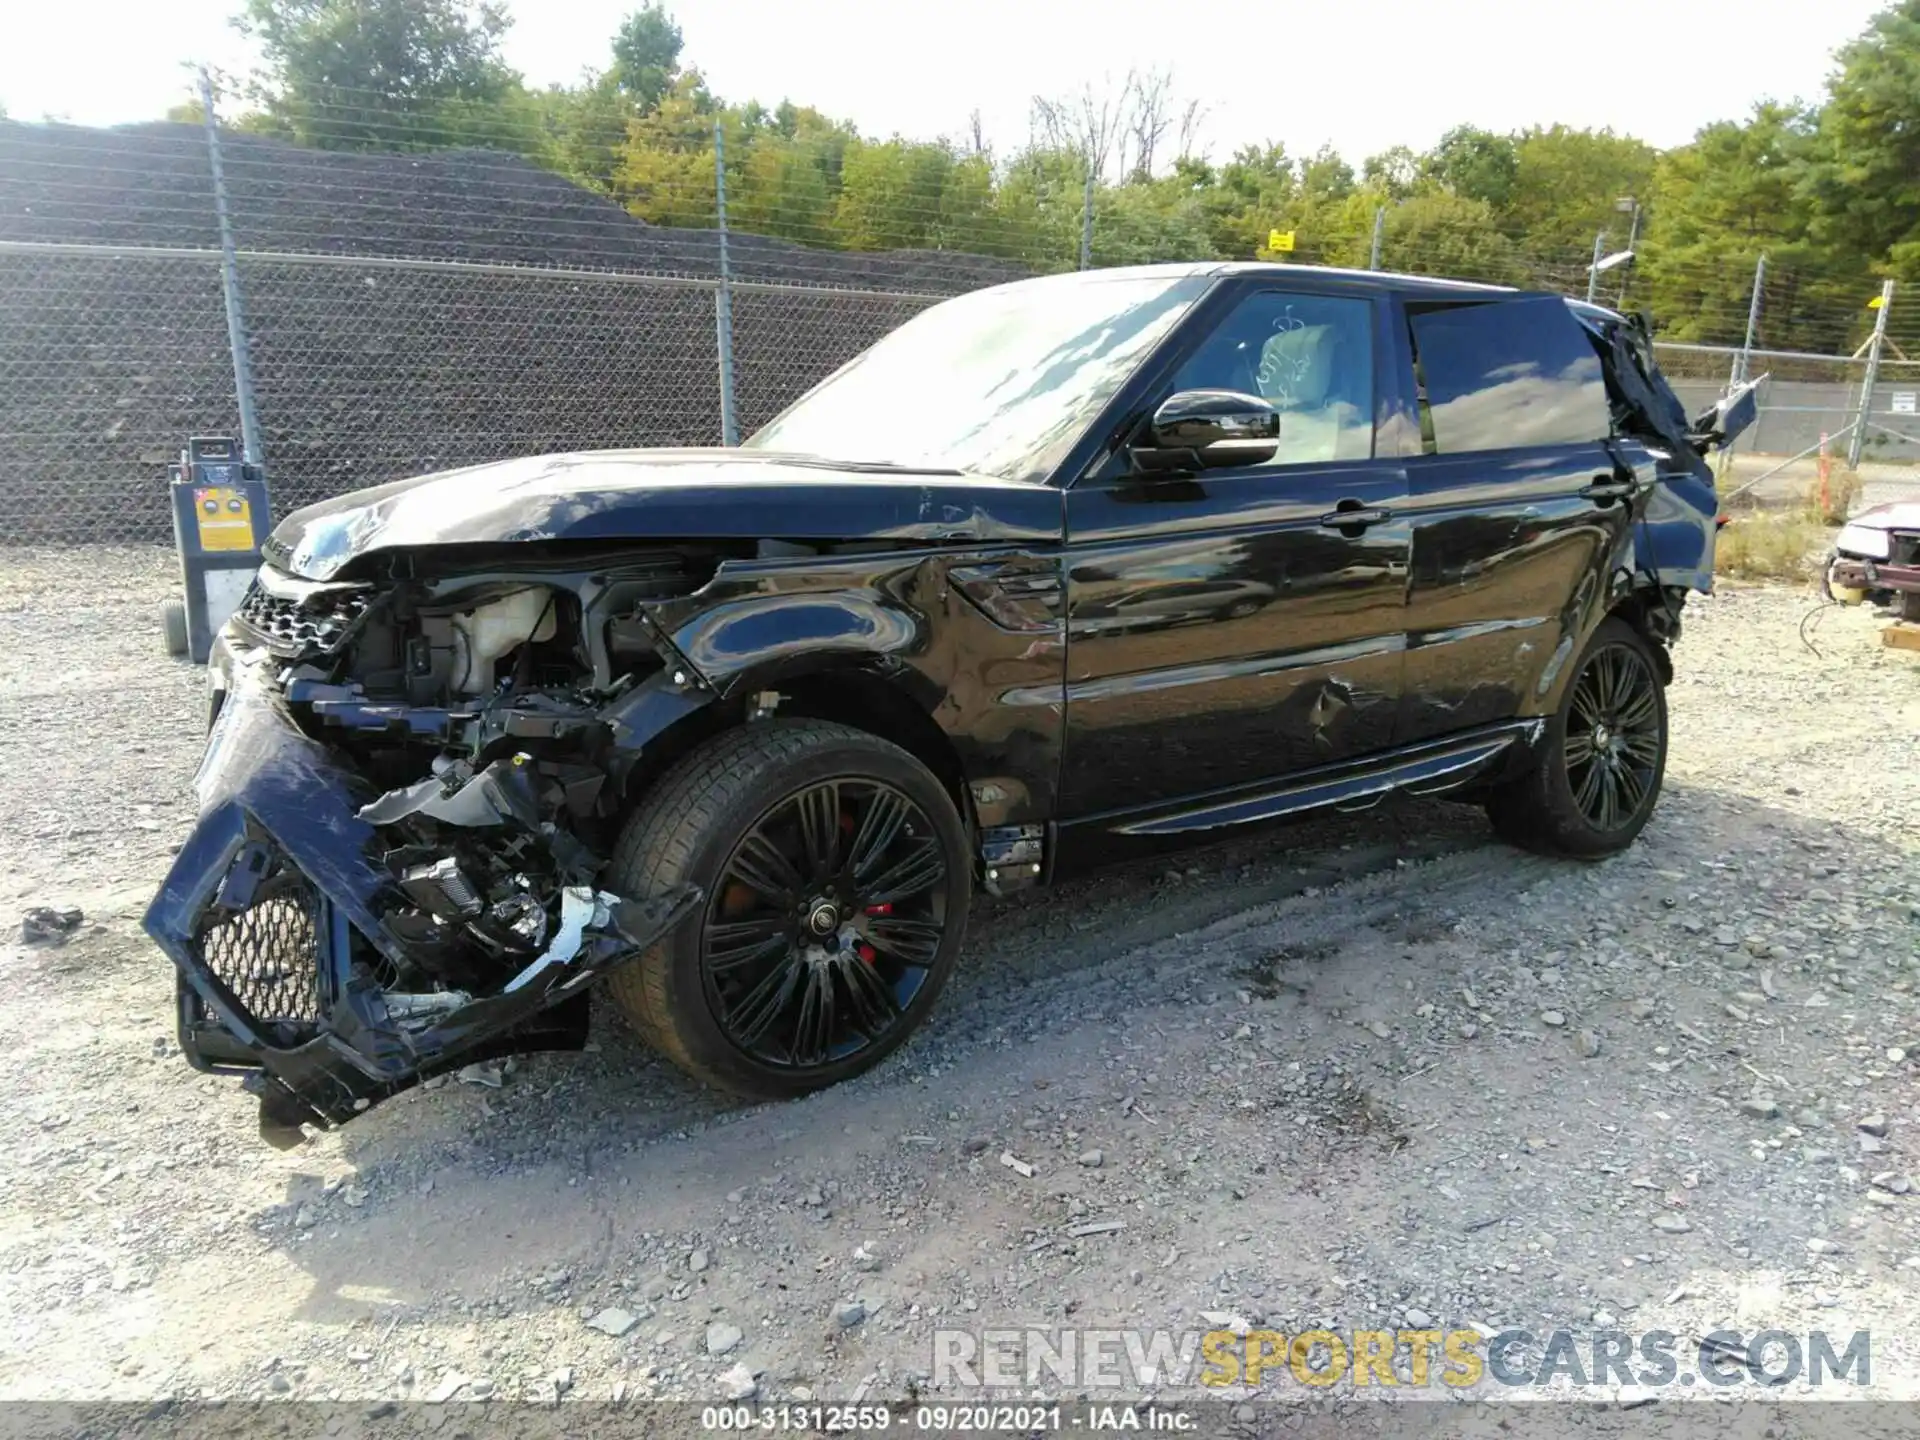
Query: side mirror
point(1205, 429)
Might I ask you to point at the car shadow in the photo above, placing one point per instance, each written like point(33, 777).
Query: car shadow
point(575, 1161)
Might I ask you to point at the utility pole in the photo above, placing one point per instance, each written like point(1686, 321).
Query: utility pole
point(1379, 234)
point(1593, 270)
point(230, 287)
point(723, 296)
point(1867, 382)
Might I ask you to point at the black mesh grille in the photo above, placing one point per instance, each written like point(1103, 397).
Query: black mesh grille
point(269, 954)
point(1905, 549)
point(322, 622)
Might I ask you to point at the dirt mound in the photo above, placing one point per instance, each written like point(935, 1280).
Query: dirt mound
point(151, 185)
point(366, 372)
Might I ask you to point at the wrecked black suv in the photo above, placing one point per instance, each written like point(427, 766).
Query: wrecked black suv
point(1057, 571)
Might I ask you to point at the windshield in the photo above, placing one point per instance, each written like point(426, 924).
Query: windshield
point(1000, 382)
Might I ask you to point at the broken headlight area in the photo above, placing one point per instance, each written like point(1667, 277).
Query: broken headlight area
point(396, 868)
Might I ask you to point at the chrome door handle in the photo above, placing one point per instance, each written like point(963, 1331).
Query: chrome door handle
point(1357, 518)
point(1605, 489)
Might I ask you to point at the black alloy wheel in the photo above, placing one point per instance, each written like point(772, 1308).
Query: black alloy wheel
point(836, 874)
point(1614, 736)
point(1595, 774)
point(824, 924)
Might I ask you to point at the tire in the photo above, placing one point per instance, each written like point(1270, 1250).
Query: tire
point(733, 807)
point(1559, 805)
point(173, 624)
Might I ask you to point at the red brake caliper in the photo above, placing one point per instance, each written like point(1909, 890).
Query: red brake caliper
point(864, 950)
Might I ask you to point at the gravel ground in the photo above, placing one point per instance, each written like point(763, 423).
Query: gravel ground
point(1378, 1071)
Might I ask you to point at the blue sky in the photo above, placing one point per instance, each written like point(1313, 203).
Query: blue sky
point(1359, 74)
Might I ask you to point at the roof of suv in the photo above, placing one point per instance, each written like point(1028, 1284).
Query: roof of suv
point(1379, 279)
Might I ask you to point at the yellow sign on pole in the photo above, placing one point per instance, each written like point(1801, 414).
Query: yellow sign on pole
point(1876, 302)
point(1279, 241)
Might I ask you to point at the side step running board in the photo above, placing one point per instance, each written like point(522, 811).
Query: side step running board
point(1430, 770)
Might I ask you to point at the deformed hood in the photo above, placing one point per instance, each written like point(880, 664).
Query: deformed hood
point(1900, 515)
point(615, 495)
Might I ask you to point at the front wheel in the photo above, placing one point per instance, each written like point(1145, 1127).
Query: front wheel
point(836, 883)
point(1597, 773)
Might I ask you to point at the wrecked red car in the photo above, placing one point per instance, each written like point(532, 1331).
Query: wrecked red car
point(1876, 556)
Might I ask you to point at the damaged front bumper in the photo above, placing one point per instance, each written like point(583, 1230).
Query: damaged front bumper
point(1850, 578)
point(277, 915)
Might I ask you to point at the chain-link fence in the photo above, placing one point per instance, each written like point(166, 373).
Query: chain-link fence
point(411, 312)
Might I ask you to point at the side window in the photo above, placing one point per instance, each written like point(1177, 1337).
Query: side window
point(1505, 374)
point(1312, 356)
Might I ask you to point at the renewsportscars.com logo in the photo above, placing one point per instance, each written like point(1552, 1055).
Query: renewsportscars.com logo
point(1135, 1360)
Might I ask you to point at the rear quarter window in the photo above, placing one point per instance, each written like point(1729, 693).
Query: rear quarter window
point(1508, 374)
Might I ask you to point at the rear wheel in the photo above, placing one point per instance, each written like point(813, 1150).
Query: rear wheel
point(836, 886)
point(173, 624)
point(1599, 766)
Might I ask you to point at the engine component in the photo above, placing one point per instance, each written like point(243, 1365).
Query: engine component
point(495, 629)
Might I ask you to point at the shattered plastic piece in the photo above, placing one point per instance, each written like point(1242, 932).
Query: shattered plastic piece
point(581, 909)
point(1017, 1165)
point(402, 1006)
point(45, 925)
point(501, 792)
point(481, 1074)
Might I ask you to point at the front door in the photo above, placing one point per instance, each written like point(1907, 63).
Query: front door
point(1234, 625)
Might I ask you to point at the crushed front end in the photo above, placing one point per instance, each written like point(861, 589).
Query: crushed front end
point(410, 787)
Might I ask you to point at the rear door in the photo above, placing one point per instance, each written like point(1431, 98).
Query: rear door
point(1237, 624)
point(1517, 506)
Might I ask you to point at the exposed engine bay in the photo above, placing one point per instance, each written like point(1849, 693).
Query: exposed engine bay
point(467, 734)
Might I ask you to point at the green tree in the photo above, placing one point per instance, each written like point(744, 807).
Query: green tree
point(1395, 172)
point(388, 74)
point(1566, 183)
point(1475, 165)
point(1252, 195)
point(1717, 205)
point(891, 194)
point(779, 188)
point(1865, 176)
point(1447, 234)
point(646, 55)
point(666, 169)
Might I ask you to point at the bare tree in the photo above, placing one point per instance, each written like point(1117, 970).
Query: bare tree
point(1191, 120)
point(1120, 130)
point(1149, 115)
point(977, 135)
point(1087, 124)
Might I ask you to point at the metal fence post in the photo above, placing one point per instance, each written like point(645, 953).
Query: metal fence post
point(230, 287)
point(1867, 382)
point(1593, 270)
point(1379, 233)
point(1086, 220)
point(1743, 361)
point(723, 297)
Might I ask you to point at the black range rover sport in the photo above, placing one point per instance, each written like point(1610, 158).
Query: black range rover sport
point(1056, 572)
